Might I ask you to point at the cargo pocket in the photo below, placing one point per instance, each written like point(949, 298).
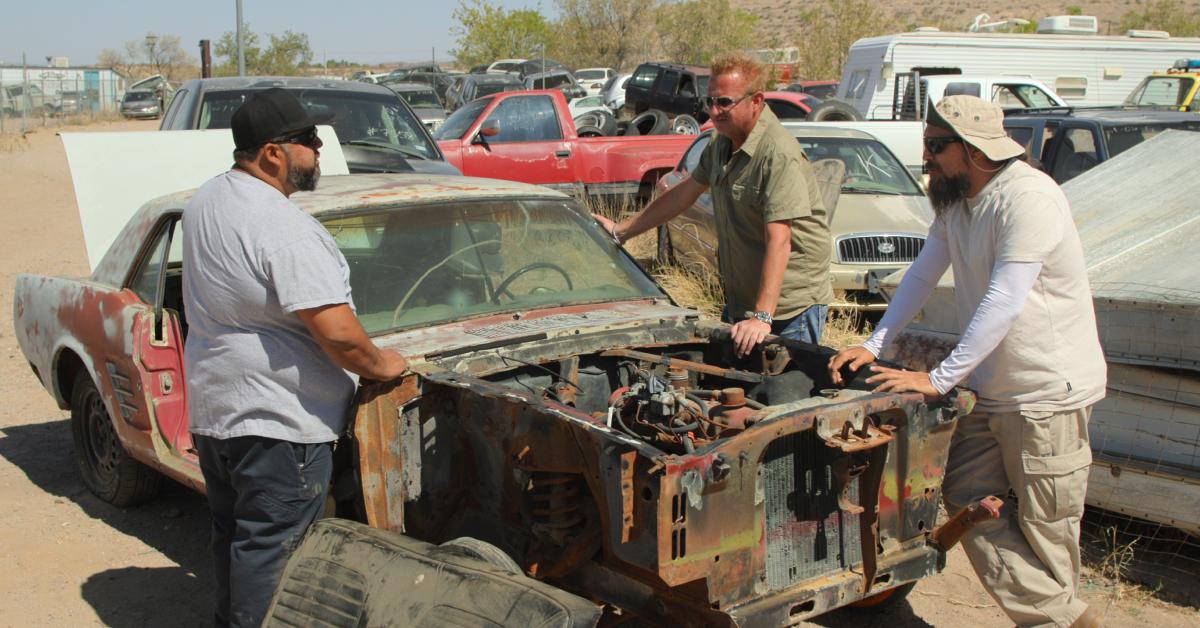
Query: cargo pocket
point(1055, 456)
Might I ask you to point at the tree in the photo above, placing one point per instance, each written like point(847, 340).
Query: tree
point(285, 56)
point(604, 33)
point(153, 54)
point(829, 30)
point(695, 31)
point(486, 32)
point(1165, 15)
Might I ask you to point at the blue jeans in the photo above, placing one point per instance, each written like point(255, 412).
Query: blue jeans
point(263, 493)
point(807, 326)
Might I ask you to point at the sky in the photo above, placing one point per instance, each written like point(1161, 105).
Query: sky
point(372, 31)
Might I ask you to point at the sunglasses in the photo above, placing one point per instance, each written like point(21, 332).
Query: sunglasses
point(308, 138)
point(936, 145)
point(712, 103)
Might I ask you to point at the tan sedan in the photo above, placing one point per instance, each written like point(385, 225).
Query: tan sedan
point(878, 223)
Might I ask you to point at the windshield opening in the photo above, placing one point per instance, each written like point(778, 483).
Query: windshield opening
point(358, 117)
point(427, 265)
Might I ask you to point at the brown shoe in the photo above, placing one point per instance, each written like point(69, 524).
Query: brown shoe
point(1091, 618)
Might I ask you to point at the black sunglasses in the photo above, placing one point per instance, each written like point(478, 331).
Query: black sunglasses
point(308, 138)
point(936, 145)
point(724, 102)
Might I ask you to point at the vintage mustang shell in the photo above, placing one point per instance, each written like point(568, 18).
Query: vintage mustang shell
point(601, 439)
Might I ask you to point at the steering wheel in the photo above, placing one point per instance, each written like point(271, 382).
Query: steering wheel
point(502, 287)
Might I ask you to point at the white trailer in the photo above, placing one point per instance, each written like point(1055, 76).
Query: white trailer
point(1082, 69)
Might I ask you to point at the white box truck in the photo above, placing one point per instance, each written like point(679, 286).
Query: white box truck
point(1081, 69)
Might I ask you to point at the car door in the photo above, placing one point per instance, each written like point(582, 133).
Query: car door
point(528, 144)
point(153, 378)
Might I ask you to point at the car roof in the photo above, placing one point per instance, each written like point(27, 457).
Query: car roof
point(359, 192)
point(694, 69)
point(406, 86)
point(495, 78)
point(242, 83)
point(821, 130)
point(1105, 116)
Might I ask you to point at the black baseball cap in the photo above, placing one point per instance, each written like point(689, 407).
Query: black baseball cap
point(270, 114)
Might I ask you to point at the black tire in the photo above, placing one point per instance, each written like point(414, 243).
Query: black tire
point(608, 122)
point(484, 551)
point(107, 470)
point(665, 252)
point(833, 110)
point(589, 131)
point(653, 122)
point(623, 127)
point(684, 124)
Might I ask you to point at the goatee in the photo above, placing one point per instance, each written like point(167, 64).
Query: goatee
point(304, 181)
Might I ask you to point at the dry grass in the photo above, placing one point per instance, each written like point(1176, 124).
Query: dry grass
point(13, 142)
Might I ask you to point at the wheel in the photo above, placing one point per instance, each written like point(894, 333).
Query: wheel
point(653, 122)
point(885, 601)
point(834, 111)
point(684, 124)
point(107, 470)
point(608, 122)
point(502, 287)
point(588, 131)
point(484, 551)
point(665, 252)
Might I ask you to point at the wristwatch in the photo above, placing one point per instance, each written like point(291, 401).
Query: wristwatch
point(761, 315)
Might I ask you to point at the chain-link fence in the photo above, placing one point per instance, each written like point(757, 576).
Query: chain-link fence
point(33, 97)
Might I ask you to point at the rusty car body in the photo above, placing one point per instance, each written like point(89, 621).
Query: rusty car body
point(562, 410)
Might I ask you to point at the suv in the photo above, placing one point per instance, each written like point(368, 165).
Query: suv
point(669, 87)
point(1177, 88)
point(376, 128)
point(1065, 142)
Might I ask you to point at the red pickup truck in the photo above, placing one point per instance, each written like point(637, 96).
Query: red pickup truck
point(529, 136)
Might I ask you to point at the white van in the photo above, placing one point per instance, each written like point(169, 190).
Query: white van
point(1081, 69)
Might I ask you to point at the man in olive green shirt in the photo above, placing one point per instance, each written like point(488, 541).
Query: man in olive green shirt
point(772, 233)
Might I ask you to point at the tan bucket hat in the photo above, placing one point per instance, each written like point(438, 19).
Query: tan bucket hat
point(978, 123)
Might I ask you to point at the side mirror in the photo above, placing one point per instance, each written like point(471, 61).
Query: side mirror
point(489, 129)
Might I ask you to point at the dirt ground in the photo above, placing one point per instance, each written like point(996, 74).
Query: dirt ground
point(76, 561)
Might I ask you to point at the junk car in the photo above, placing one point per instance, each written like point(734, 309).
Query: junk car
point(570, 442)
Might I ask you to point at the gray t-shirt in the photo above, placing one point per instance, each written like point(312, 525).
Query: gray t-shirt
point(251, 259)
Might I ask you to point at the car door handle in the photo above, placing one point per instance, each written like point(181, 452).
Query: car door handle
point(562, 153)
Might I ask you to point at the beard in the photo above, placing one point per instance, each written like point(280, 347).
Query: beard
point(946, 191)
point(303, 180)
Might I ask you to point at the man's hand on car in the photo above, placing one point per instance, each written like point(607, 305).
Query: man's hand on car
point(898, 381)
point(747, 334)
point(854, 358)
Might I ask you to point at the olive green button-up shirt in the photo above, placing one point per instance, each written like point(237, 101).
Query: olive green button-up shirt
point(768, 179)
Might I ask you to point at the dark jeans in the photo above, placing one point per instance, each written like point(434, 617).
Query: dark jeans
point(263, 493)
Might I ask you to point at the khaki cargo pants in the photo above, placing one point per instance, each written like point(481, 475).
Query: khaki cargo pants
point(1028, 559)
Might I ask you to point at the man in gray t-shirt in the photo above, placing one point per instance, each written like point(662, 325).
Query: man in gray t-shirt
point(273, 353)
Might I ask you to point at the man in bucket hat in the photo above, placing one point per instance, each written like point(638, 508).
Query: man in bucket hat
point(273, 350)
point(1029, 349)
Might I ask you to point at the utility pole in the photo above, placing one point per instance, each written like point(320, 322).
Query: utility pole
point(26, 101)
point(241, 52)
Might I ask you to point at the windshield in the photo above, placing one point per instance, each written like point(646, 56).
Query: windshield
point(870, 168)
point(426, 265)
point(504, 67)
point(589, 75)
point(457, 124)
point(360, 118)
point(1126, 136)
point(421, 99)
point(136, 96)
point(1162, 91)
point(550, 82)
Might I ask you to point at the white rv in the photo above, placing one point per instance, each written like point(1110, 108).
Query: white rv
point(1082, 69)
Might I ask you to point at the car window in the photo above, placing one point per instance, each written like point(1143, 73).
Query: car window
point(460, 121)
point(525, 119)
point(427, 265)
point(870, 168)
point(644, 77)
point(590, 75)
point(691, 158)
point(363, 118)
point(786, 110)
point(667, 82)
point(177, 101)
point(1076, 154)
point(857, 83)
point(1162, 91)
point(144, 280)
point(1022, 135)
point(496, 87)
point(420, 98)
point(964, 88)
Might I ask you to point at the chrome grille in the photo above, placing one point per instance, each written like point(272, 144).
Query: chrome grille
point(879, 248)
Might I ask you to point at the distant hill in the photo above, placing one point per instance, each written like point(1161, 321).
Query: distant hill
point(779, 20)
